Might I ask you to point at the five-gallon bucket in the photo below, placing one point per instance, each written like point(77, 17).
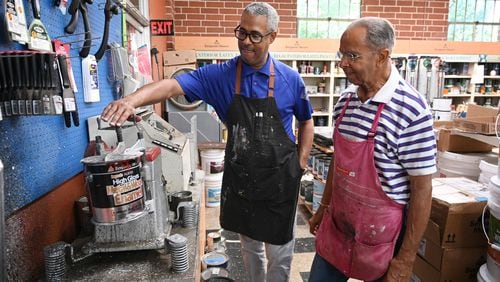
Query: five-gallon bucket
point(494, 206)
point(115, 188)
point(460, 165)
point(212, 161)
point(213, 186)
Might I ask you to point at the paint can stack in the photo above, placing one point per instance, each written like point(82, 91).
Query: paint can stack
point(212, 163)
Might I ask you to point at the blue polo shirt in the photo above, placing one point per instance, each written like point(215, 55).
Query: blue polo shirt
point(215, 85)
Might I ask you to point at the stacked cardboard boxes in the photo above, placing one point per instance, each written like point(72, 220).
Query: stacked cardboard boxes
point(175, 60)
point(454, 245)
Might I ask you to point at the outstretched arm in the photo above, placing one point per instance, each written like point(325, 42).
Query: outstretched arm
point(117, 112)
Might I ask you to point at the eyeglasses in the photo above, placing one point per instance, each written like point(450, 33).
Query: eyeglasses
point(255, 37)
point(349, 56)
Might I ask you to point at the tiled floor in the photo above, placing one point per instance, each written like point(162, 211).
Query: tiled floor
point(304, 246)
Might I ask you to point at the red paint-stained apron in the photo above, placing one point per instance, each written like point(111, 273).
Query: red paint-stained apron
point(359, 229)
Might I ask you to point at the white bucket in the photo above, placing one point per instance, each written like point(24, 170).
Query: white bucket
point(493, 261)
point(213, 186)
point(456, 165)
point(212, 161)
point(494, 206)
point(441, 104)
point(442, 115)
point(318, 189)
point(488, 168)
point(483, 275)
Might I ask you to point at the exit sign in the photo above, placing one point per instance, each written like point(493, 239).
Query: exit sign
point(161, 27)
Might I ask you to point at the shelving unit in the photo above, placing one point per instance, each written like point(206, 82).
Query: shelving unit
point(322, 85)
point(420, 62)
point(470, 81)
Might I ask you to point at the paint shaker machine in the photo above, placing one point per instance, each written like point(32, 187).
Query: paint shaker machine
point(129, 186)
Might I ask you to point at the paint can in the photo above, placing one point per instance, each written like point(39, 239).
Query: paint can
point(214, 259)
point(115, 188)
point(213, 186)
point(212, 161)
point(215, 274)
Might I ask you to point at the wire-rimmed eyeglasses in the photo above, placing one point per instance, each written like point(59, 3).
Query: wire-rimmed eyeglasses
point(351, 57)
point(255, 36)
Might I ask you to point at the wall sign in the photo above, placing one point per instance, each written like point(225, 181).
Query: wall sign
point(161, 27)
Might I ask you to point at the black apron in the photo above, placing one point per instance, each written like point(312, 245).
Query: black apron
point(261, 169)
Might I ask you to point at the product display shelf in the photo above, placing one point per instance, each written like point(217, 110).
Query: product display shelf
point(322, 85)
point(467, 80)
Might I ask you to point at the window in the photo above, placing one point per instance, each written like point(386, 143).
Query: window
point(470, 20)
point(325, 18)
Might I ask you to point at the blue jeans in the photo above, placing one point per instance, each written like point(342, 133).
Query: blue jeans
point(323, 271)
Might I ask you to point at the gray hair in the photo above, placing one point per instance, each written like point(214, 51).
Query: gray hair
point(380, 32)
point(264, 9)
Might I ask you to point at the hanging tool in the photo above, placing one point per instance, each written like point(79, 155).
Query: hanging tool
point(427, 63)
point(80, 7)
point(11, 84)
point(54, 83)
point(73, 11)
point(69, 103)
point(28, 86)
point(6, 109)
point(36, 66)
point(39, 37)
point(412, 65)
point(109, 10)
point(440, 67)
point(18, 101)
point(45, 85)
point(84, 52)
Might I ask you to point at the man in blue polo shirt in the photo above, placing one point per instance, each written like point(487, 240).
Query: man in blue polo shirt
point(256, 97)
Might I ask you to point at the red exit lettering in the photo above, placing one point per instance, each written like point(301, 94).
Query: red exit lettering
point(161, 27)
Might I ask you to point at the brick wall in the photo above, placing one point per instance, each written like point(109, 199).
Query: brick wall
point(413, 19)
point(219, 18)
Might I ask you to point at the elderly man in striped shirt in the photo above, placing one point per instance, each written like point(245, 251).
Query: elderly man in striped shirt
point(377, 199)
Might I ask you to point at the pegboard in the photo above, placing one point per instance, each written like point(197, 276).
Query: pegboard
point(38, 152)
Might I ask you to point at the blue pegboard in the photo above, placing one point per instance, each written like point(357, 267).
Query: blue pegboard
point(38, 152)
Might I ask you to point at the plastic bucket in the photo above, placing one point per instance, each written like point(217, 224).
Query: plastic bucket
point(213, 186)
point(441, 104)
point(493, 261)
point(483, 275)
point(494, 206)
point(456, 165)
point(442, 115)
point(318, 189)
point(212, 161)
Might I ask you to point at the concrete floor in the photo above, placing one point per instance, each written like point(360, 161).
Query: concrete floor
point(304, 246)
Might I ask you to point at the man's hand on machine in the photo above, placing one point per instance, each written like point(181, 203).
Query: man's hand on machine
point(118, 112)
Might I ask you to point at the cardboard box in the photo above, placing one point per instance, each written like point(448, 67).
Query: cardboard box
point(460, 269)
point(168, 71)
point(440, 257)
point(479, 120)
point(447, 141)
point(174, 58)
point(457, 206)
